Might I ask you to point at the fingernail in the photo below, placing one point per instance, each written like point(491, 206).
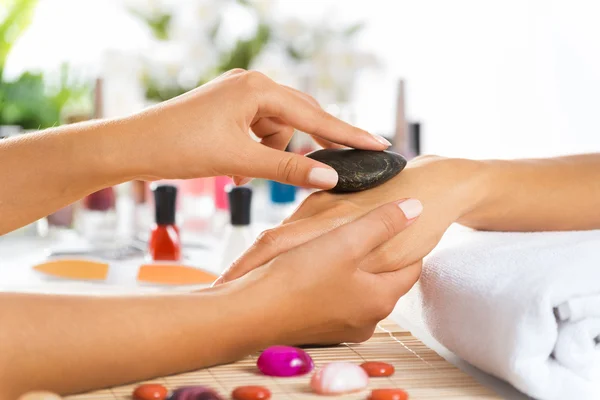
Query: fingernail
point(323, 177)
point(218, 281)
point(381, 140)
point(244, 181)
point(411, 208)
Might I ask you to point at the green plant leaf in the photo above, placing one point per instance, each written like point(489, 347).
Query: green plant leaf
point(245, 51)
point(159, 24)
point(295, 54)
point(16, 18)
point(25, 103)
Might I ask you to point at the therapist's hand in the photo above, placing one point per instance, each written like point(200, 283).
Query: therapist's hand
point(317, 294)
point(448, 189)
point(205, 132)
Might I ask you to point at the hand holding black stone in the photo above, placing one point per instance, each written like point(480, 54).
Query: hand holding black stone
point(360, 169)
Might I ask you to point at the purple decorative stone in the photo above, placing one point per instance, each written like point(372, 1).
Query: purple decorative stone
point(195, 393)
point(284, 361)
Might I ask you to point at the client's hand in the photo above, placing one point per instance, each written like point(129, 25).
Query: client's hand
point(448, 188)
point(316, 294)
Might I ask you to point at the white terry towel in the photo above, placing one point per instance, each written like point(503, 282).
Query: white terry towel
point(524, 307)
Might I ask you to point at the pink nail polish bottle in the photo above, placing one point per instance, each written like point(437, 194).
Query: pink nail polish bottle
point(197, 205)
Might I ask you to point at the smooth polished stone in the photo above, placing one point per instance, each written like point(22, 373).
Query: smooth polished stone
point(360, 169)
point(251, 393)
point(284, 361)
point(388, 394)
point(339, 378)
point(378, 369)
point(40, 396)
point(195, 393)
point(150, 391)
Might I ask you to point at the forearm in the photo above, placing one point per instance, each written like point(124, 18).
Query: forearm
point(538, 195)
point(72, 344)
point(42, 172)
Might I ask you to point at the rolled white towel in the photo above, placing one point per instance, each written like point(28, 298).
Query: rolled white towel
point(578, 343)
point(524, 307)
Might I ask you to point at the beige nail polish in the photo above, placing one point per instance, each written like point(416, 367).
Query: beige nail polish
point(323, 177)
point(411, 208)
point(218, 281)
point(382, 140)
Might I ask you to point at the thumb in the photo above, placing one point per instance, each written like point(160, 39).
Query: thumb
point(290, 168)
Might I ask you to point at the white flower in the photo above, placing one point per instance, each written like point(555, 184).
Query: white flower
point(192, 20)
point(199, 61)
point(163, 62)
point(149, 8)
point(275, 63)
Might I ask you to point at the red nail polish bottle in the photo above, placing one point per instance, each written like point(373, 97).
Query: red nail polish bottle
point(165, 244)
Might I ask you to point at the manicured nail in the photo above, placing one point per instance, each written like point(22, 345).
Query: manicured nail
point(244, 181)
point(382, 140)
point(323, 177)
point(411, 208)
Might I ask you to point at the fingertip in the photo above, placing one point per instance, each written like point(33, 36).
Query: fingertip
point(371, 141)
point(239, 181)
point(323, 177)
point(220, 280)
point(381, 140)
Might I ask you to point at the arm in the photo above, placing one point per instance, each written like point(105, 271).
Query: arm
point(538, 195)
point(313, 294)
point(522, 195)
point(202, 133)
point(43, 172)
point(70, 344)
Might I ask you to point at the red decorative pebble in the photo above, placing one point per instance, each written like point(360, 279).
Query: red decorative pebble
point(388, 394)
point(150, 391)
point(251, 393)
point(376, 368)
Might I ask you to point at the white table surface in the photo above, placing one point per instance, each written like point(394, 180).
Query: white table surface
point(19, 254)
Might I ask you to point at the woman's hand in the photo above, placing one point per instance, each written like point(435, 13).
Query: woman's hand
point(205, 132)
point(317, 294)
point(448, 188)
point(313, 294)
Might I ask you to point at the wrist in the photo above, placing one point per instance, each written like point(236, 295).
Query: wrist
point(128, 148)
point(461, 184)
point(252, 303)
point(478, 183)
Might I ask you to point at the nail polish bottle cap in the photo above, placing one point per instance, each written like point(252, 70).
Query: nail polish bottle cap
point(240, 200)
point(165, 197)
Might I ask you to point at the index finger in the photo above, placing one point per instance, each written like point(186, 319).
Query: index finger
point(320, 141)
point(304, 115)
point(362, 236)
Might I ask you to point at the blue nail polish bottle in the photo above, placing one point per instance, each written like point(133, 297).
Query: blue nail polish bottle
point(282, 193)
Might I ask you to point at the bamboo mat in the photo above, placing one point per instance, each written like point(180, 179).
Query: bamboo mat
point(419, 370)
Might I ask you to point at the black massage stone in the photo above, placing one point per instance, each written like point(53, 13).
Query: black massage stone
point(360, 169)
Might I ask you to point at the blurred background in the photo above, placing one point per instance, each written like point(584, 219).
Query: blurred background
point(486, 79)
point(467, 78)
